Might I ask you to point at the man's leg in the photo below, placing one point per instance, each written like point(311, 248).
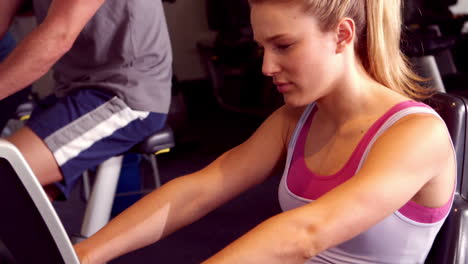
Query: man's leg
point(38, 156)
point(79, 132)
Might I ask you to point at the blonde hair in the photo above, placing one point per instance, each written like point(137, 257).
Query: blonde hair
point(378, 33)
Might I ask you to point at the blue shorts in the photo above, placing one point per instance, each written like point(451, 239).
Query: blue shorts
point(87, 127)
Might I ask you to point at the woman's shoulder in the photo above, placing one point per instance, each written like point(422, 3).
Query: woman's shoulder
point(410, 118)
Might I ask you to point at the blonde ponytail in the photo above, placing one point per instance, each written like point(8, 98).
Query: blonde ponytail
point(384, 60)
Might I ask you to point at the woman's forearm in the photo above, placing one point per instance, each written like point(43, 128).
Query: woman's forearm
point(147, 221)
point(279, 240)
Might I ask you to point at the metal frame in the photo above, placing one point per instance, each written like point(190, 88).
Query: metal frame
point(9, 152)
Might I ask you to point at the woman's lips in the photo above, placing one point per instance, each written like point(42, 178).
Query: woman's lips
point(283, 87)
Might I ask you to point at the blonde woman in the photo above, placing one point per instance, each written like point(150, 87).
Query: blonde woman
point(369, 172)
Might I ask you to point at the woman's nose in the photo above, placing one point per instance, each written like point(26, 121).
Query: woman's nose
point(269, 67)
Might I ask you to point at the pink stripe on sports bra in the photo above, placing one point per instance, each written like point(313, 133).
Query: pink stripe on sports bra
point(309, 185)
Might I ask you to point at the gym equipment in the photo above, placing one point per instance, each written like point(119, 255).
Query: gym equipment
point(29, 226)
point(101, 198)
point(434, 41)
point(450, 245)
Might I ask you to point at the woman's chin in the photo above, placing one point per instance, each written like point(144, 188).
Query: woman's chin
point(294, 101)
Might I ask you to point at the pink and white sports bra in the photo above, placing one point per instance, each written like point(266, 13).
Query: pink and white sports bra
point(406, 236)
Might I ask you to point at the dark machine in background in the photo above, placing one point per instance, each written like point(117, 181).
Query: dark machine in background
point(432, 29)
point(233, 61)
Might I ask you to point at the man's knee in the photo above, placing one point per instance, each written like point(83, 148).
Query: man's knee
point(38, 155)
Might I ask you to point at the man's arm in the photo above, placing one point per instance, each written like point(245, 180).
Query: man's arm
point(8, 10)
point(45, 45)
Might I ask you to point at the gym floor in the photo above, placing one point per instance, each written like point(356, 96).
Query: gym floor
point(203, 131)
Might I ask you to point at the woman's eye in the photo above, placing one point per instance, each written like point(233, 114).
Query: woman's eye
point(283, 47)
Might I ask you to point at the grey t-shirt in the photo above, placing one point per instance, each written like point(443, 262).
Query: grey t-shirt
point(125, 49)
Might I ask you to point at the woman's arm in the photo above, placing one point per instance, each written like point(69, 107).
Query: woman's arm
point(188, 198)
point(403, 160)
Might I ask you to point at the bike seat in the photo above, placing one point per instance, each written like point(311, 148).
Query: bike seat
point(158, 142)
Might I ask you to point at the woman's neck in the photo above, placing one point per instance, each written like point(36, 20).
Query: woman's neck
point(354, 95)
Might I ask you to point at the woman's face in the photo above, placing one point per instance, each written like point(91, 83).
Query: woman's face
point(299, 57)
